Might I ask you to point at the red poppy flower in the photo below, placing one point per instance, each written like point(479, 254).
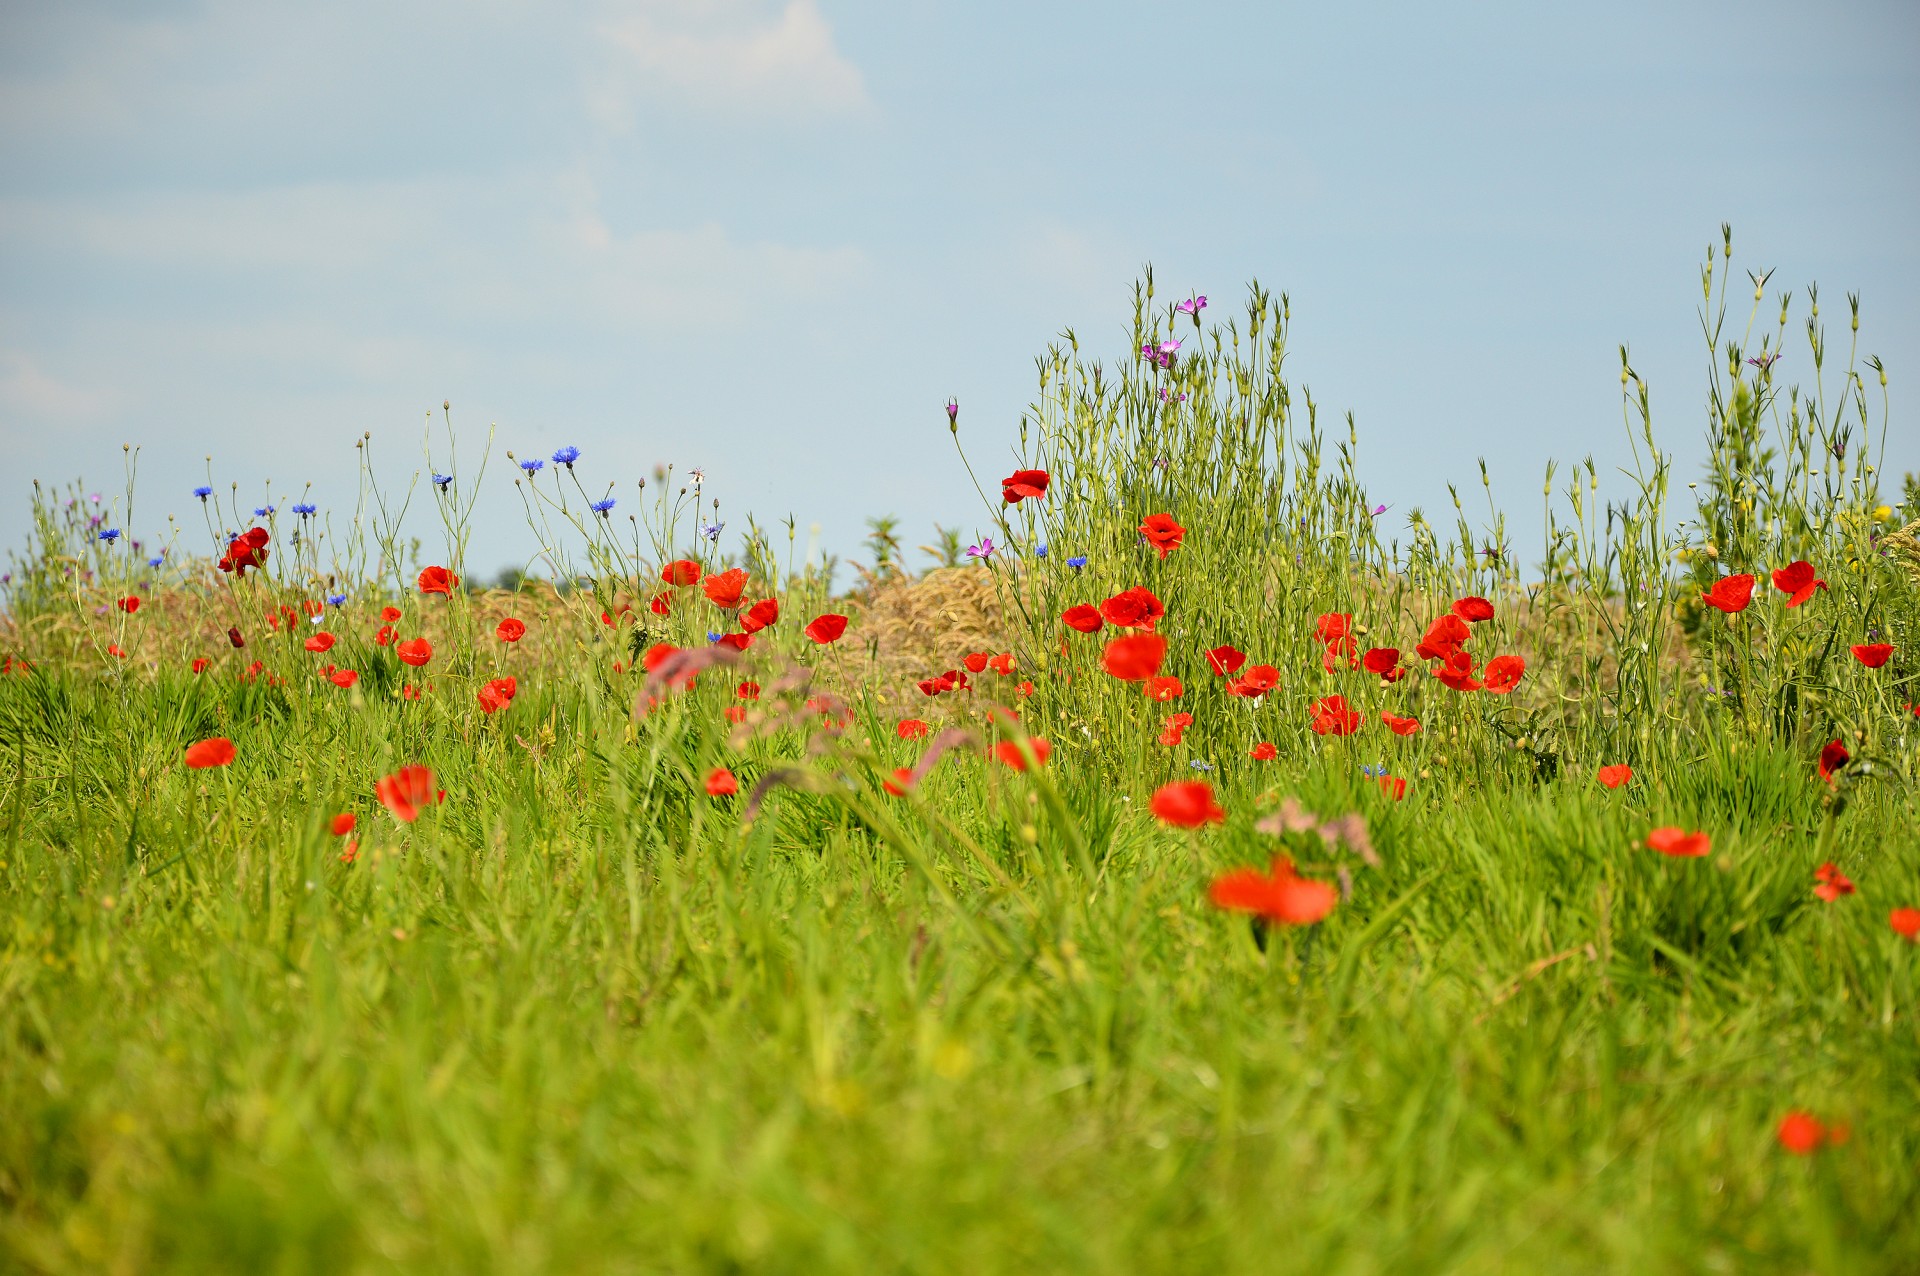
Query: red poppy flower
point(249, 550)
point(724, 589)
point(1399, 725)
point(1679, 843)
point(1502, 674)
point(1279, 897)
point(1833, 756)
point(342, 824)
point(828, 628)
point(911, 729)
point(1331, 716)
point(682, 571)
point(1256, 682)
point(900, 782)
point(1135, 608)
point(1381, 660)
point(657, 655)
point(1457, 672)
point(113, 649)
point(1473, 608)
point(389, 614)
point(738, 642)
point(720, 781)
point(1730, 593)
point(1443, 638)
point(1163, 688)
point(1008, 751)
point(1135, 657)
point(1172, 736)
point(1831, 883)
point(734, 713)
point(234, 639)
point(760, 615)
point(510, 630)
point(1002, 664)
point(1163, 533)
point(1024, 688)
point(1022, 484)
point(218, 751)
point(128, 604)
point(1615, 776)
point(1905, 923)
point(415, 651)
point(1797, 581)
point(975, 661)
point(385, 635)
point(409, 692)
point(319, 642)
point(661, 604)
point(497, 694)
point(1333, 626)
point(1186, 804)
point(1263, 752)
point(747, 691)
point(1393, 786)
point(1872, 654)
point(436, 580)
point(1083, 617)
point(407, 792)
point(200, 664)
point(343, 677)
point(1225, 660)
point(1801, 1133)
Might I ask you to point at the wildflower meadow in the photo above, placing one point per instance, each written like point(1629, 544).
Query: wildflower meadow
point(1200, 868)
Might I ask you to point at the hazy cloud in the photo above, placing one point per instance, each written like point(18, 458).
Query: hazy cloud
point(730, 57)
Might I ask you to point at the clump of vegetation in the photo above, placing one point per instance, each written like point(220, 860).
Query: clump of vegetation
point(1200, 870)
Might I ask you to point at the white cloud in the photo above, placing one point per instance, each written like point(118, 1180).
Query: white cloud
point(730, 56)
point(28, 390)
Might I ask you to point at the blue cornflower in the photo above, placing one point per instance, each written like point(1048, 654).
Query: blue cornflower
point(601, 507)
point(265, 511)
point(531, 466)
point(566, 456)
point(713, 637)
point(441, 480)
point(1039, 551)
point(1077, 563)
point(306, 510)
point(1374, 772)
point(110, 535)
point(203, 491)
point(156, 562)
point(712, 531)
point(336, 600)
point(1198, 765)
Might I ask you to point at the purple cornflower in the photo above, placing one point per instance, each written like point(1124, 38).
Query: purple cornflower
point(1193, 305)
point(983, 551)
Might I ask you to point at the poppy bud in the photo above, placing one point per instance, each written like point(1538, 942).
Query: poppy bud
point(233, 636)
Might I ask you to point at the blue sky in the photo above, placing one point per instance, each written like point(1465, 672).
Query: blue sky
point(771, 238)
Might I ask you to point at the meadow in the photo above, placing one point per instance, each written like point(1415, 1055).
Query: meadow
point(1202, 870)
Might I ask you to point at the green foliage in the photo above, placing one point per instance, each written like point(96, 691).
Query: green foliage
point(584, 1017)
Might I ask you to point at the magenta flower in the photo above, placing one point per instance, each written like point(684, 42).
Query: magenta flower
point(1193, 305)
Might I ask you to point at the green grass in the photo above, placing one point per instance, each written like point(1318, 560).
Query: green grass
point(582, 1017)
point(574, 1020)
